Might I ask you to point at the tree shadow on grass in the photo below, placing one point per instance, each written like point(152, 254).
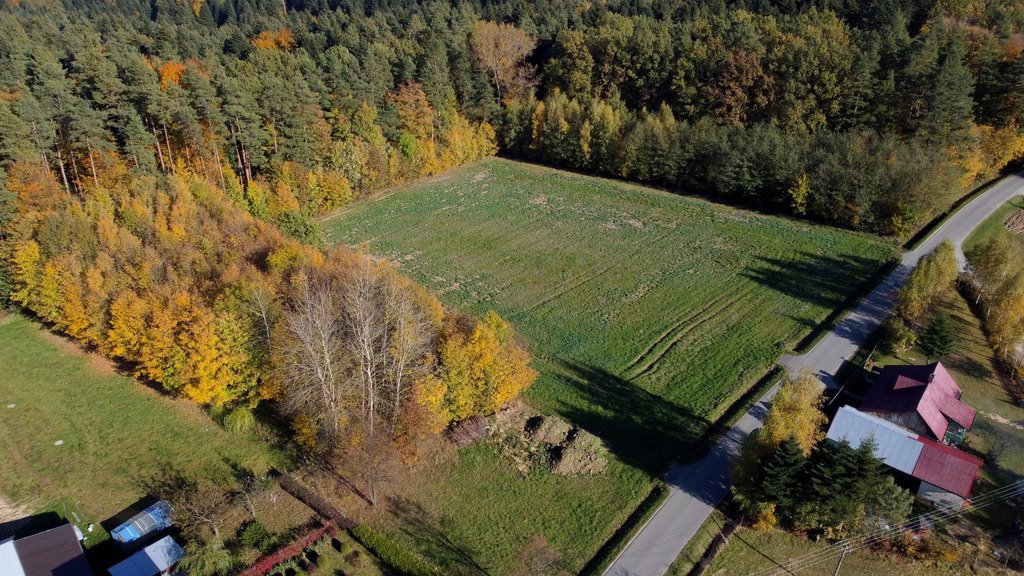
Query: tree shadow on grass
point(824, 281)
point(428, 531)
point(640, 428)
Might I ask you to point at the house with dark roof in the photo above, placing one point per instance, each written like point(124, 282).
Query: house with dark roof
point(942, 474)
point(924, 399)
point(55, 552)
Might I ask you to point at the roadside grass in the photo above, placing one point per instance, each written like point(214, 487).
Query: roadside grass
point(988, 228)
point(648, 314)
point(695, 549)
point(115, 432)
point(752, 552)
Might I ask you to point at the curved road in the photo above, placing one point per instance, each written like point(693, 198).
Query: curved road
point(695, 489)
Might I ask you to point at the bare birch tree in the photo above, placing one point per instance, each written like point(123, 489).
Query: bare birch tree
point(310, 356)
point(350, 348)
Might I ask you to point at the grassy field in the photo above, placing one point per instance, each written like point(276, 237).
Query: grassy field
point(994, 222)
point(647, 313)
point(649, 310)
point(114, 432)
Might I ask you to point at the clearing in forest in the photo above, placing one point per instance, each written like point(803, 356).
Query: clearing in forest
point(650, 310)
point(647, 314)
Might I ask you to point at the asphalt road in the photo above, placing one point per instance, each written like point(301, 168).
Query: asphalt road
point(695, 489)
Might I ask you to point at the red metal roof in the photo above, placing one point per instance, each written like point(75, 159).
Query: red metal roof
point(928, 390)
point(946, 467)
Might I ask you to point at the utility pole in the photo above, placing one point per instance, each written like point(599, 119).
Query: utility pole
point(842, 555)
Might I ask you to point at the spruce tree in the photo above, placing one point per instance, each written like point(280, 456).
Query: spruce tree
point(781, 481)
point(831, 497)
point(937, 338)
point(951, 110)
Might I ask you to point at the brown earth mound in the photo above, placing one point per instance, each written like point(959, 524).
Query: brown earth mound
point(1015, 222)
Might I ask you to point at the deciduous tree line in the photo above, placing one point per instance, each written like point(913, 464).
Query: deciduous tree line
point(997, 281)
point(196, 295)
point(874, 125)
point(933, 279)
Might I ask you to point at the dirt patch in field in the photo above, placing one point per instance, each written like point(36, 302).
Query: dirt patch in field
point(1004, 421)
point(1015, 222)
point(539, 200)
point(12, 515)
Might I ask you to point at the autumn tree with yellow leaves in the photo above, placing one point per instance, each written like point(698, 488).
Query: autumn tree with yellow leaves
point(480, 369)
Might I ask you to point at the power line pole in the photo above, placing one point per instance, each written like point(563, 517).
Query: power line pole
point(846, 548)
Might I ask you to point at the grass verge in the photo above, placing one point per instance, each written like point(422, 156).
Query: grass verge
point(636, 521)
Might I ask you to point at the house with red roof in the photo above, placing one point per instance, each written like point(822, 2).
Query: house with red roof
point(940, 474)
point(924, 399)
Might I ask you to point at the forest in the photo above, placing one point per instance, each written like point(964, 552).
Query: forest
point(168, 162)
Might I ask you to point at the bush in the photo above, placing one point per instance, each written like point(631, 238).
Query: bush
point(766, 518)
point(240, 420)
point(401, 560)
point(898, 337)
point(255, 535)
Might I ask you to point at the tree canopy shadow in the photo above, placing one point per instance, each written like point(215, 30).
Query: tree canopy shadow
point(638, 427)
point(424, 528)
point(824, 281)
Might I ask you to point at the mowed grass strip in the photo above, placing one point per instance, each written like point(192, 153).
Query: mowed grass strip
point(115, 432)
point(647, 314)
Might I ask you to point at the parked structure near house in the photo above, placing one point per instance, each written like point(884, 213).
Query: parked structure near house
point(55, 552)
point(152, 519)
point(945, 476)
point(924, 399)
point(159, 557)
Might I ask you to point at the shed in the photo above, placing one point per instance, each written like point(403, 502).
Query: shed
point(55, 552)
point(154, 518)
point(947, 468)
point(946, 475)
point(157, 558)
point(10, 564)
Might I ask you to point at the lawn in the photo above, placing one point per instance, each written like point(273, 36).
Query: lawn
point(113, 431)
point(993, 223)
point(648, 314)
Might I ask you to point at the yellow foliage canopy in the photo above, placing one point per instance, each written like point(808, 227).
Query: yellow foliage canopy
point(481, 369)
